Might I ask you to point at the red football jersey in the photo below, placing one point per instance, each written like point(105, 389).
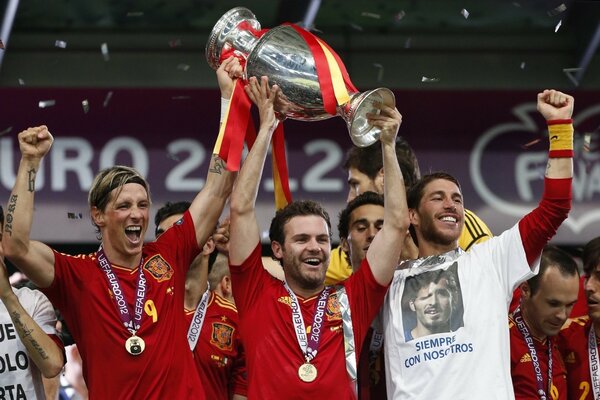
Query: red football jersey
point(219, 356)
point(521, 367)
point(165, 369)
point(573, 344)
point(272, 351)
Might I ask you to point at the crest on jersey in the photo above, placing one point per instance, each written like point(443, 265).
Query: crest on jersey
point(222, 336)
point(333, 308)
point(159, 268)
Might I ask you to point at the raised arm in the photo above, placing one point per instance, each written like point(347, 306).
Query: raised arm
point(35, 259)
point(384, 252)
point(41, 349)
point(207, 206)
point(540, 225)
point(244, 233)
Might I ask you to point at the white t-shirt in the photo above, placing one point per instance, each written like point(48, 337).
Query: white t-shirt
point(19, 376)
point(470, 357)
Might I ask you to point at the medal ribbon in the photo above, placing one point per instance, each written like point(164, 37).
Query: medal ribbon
point(198, 320)
point(131, 323)
point(539, 379)
point(349, 348)
point(593, 360)
point(310, 345)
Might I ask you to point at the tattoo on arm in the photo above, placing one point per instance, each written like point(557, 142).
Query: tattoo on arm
point(26, 334)
point(31, 179)
point(218, 166)
point(12, 205)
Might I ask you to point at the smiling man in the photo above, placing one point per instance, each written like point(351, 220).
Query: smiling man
point(302, 338)
point(471, 362)
point(546, 302)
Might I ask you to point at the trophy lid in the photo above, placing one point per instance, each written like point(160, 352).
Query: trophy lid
point(220, 33)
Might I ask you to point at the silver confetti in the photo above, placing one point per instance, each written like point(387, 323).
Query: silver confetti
point(407, 43)
point(183, 67)
point(569, 73)
point(7, 130)
point(464, 13)
point(135, 14)
point(61, 44)
point(46, 103)
point(555, 11)
point(522, 64)
point(429, 80)
point(21, 82)
point(86, 106)
point(370, 15)
point(107, 99)
point(587, 142)
point(72, 215)
point(104, 51)
point(557, 27)
point(356, 27)
point(379, 71)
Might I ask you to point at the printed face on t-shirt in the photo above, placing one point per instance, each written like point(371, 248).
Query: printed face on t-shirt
point(433, 306)
point(305, 251)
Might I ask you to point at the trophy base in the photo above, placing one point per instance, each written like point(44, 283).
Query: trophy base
point(355, 113)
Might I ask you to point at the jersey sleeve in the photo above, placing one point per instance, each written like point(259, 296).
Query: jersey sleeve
point(474, 231)
point(338, 269)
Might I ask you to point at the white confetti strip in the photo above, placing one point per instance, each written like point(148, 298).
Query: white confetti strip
point(107, 99)
point(86, 106)
point(61, 44)
point(370, 15)
point(104, 51)
point(429, 80)
point(464, 13)
point(557, 27)
point(46, 103)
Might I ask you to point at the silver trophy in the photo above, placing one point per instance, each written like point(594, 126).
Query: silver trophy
point(283, 56)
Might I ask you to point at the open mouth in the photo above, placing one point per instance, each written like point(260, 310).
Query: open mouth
point(315, 262)
point(134, 233)
point(449, 219)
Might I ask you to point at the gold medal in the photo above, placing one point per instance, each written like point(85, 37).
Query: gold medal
point(135, 345)
point(307, 372)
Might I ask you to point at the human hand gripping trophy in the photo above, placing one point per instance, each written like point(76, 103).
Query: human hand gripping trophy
point(313, 80)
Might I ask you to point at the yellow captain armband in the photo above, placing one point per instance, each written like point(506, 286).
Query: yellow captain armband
point(560, 134)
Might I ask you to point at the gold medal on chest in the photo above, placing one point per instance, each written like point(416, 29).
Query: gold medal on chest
point(135, 345)
point(307, 372)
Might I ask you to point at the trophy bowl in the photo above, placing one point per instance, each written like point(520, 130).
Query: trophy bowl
point(282, 55)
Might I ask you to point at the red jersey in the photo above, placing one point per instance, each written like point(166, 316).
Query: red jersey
point(219, 356)
point(573, 344)
point(272, 350)
point(371, 371)
point(521, 367)
point(81, 292)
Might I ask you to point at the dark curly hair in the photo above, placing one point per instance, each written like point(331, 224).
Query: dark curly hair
point(358, 201)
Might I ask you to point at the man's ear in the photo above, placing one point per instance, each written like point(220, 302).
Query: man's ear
point(208, 247)
point(413, 215)
point(344, 245)
point(525, 290)
point(97, 216)
point(379, 181)
point(411, 304)
point(277, 249)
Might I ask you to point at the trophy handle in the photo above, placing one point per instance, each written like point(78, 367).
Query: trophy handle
point(355, 112)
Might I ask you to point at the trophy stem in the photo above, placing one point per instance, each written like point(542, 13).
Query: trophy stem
point(354, 112)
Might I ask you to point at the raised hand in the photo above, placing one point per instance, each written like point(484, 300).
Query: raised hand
point(553, 104)
point(264, 98)
point(227, 73)
point(388, 121)
point(35, 142)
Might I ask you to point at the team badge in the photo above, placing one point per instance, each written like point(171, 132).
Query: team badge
point(222, 336)
point(159, 268)
point(285, 300)
point(333, 308)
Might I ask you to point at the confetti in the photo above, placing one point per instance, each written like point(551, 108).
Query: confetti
point(60, 44)
point(7, 130)
point(172, 157)
point(569, 73)
point(370, 15)
point(587, 141)
point(181, 97)
point(522, 64)
point(183, 67)
point(464, 13)
point(107, 99)
point(399, 16)
point(1, 45)
point(557, 27)
point(529, 144)
point(86, 106)
point(356, 27)
point(104, 51)
point(516, 4)
point(379, 71)
point(407, 43)
point(46, 103)
point(21, 82)
point(555, 11)
point(71, 215)
point(135, 14)
point(174, 43)
point(429, 80)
